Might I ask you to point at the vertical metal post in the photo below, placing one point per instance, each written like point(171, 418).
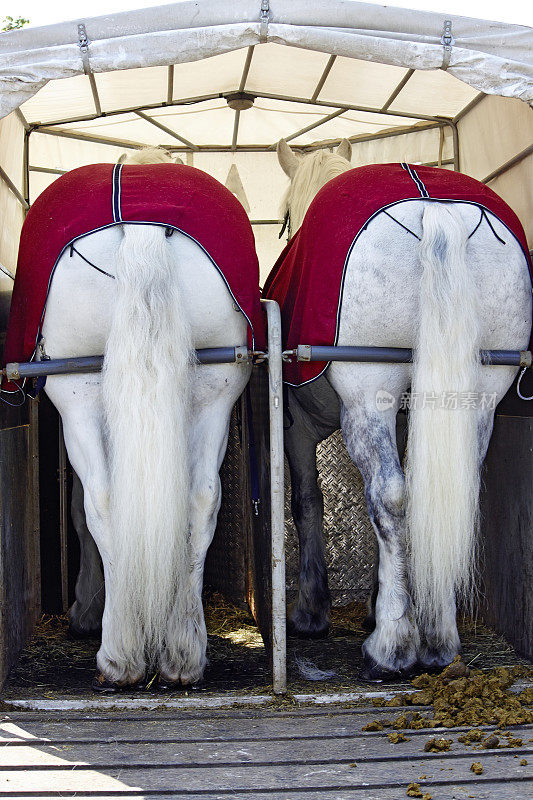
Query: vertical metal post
point(26, 168)
point(277, 497)
point(63, 517)
point(455, 140)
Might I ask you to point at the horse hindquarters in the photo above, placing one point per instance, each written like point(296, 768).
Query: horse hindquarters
point(146, 382)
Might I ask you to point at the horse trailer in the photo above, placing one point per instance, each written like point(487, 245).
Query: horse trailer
point(218, 85)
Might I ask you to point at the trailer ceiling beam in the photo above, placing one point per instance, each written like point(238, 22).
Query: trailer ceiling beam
point(472, 104)
point(311, 127)
point(397, 90)
point(94, 92)
point(223, 95)
point(166, 130)
point(87, 137)
point(323, 78)
point(170, 85)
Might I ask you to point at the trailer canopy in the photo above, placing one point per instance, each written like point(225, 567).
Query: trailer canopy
point(215, 81)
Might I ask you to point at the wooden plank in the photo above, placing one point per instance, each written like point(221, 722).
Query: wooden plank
point(203, 730)
point(238, 780)
point(19, 553)
point(507, 528)
point(489, 790)
point(83, 729)
point(222, 754)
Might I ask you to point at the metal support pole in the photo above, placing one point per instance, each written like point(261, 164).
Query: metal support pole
point(277, 497)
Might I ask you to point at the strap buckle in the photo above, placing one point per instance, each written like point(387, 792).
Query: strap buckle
point(447, 42)
point(264, 19)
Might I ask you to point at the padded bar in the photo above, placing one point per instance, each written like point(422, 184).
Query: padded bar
point(66, 366)
point(398, 355)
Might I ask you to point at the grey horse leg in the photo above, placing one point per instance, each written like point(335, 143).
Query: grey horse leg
point(370, 439)
point(369, 623)
point(86, 612)
point(314, 415)
point(309, 615)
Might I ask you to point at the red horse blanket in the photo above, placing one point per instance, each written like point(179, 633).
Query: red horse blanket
point(95, 197)
point(307, 279)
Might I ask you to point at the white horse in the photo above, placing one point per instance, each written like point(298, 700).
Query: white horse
point(146, 437)
point(447, 296)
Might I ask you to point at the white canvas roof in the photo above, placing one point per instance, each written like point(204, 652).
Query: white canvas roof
point(162, 76)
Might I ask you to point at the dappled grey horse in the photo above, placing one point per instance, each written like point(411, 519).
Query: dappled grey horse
point(438, 279)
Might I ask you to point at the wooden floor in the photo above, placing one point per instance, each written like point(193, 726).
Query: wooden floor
point(311, 754)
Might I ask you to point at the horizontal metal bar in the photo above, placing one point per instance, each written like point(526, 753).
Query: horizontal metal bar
point(68, 366)
point(87, 137)
point(346, 106)
point(48, 170)
point(397, 355)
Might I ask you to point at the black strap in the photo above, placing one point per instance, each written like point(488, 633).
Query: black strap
point(90, 263)
point(286, 225)
point(484, 216)
point(402, 225)
point(252, 453)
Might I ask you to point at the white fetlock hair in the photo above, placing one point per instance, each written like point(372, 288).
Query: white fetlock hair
point(443, 465)
point(146, 389)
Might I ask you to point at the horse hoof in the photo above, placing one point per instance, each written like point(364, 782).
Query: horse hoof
point(77, 634)
point(372, 672)
point(101, 685)
point(312, 633)
point(313, 629)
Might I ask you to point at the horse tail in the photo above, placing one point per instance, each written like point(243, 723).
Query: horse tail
point(146, 388)
point(443, 470)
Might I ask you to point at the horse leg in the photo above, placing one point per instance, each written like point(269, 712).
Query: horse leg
point(184, 658)
point(370, 437)
point(309, 615)
point(369, 623)
point(86, 612)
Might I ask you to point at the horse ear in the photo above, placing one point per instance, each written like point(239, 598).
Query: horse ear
point(178, 160)
point(288, 161)
point(345, 150)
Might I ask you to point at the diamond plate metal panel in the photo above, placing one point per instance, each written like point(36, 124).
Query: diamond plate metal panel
point(225, 564)
point(350, 540)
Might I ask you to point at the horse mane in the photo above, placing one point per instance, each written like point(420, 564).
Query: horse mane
point(313, 172)
point(148, 155)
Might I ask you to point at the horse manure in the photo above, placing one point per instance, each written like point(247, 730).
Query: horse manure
point(477, 768)
point(437, 745)
point(457, 669)
point(523, 762)
point(490, 742)
point(471, 736)
point(373, 726)
point(397, 736)
point(413, 790)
